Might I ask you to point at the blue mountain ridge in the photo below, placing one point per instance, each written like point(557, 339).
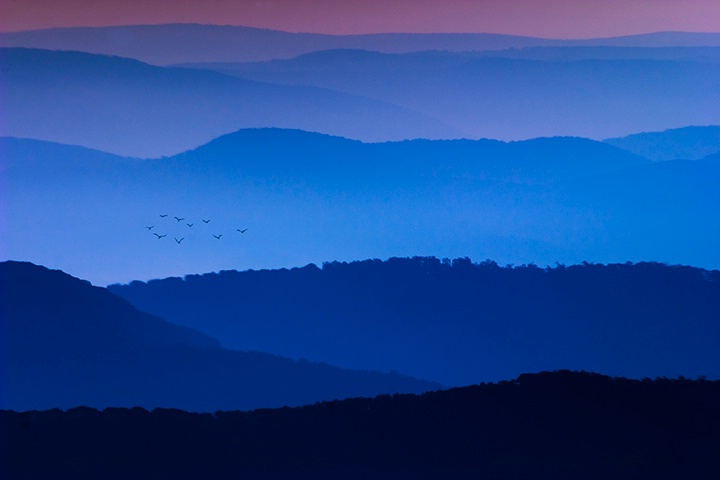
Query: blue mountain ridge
point(455, 321)
point(688, 143)
point(66, 343)
point(309, 197)
point(131, 108)
point(509, 96)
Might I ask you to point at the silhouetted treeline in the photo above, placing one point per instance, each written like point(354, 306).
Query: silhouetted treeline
point(455, 321)
point(560, 425)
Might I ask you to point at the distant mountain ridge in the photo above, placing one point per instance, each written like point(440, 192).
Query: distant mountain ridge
point(291, 155)
point(66, 343)
point(181, 43)
point(689, 143)
point(308, 197)
point(126, 107)
point(308, 157)
point(516, 94)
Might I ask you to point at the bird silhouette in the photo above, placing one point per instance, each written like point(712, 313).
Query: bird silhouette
point(217, 236)
point(190, 224)
point(159, 236)
point(163, 216)
point(150, 227)
point(178, 241)
point(179, 219)
point(206, 221)
point(242, 231)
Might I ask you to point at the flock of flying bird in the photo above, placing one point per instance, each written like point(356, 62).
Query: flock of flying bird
point(179, 219)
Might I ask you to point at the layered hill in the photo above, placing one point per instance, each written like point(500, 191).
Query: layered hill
point(66, 343)
point(689, 143)
point(131, 108)
point(309, 198)
point(166, 44)
point(322, 161)
point(562, 425)
point(508, 96)
point(706, 54)
point(123, 106)
point(457, 322)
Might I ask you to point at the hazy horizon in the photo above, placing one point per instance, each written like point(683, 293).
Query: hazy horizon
point(384, 32)
point(557, 19)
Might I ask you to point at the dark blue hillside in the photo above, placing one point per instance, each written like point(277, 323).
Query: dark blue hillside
point(46, 311)
point(65, 343)
point(455, 321)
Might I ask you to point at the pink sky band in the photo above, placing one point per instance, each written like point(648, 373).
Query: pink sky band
point(540, 18)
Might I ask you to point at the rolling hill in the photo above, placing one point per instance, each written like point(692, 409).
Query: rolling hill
point(457, 322)
point(688, 143)
point(310, 198)
point(66, 343)
point(126, 107)
point(511, 97)
point(130, 108)
point(180, 43)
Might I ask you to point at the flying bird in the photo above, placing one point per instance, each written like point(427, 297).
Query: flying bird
point(206, 221)
point(179, 219)
point(190, 224)
point(217, 236)
point(163, 216)
point(178, 241)
point(159, 236)
point(242, 231)
point(150, 227)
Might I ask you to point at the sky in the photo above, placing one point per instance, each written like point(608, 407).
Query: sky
point(541, 18)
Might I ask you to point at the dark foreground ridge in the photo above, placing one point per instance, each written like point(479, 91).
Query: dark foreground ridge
point(556, 425)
